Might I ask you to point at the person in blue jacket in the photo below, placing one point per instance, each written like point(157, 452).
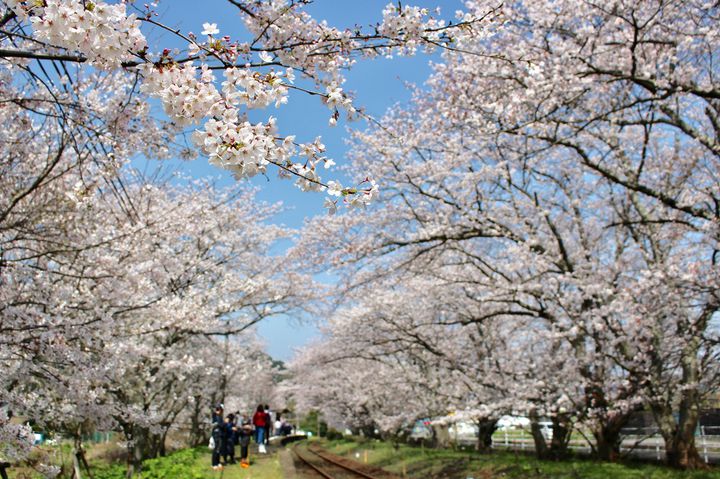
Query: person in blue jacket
point(218, 435)
point(231, 438)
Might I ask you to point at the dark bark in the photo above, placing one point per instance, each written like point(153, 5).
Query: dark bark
point(486, 429)
point(368, 430)
point(135, 460)
point(608, 438)
point(154, 445)
point(79, 460)
point(562, 428)
point(683, 453)
point(198, 433)
point(77, 474)
point(607, 425)
point(162, 448)
point(541, 448)
point(83, 461)
point(558, 447)
point(679, 436)
point(138, 448)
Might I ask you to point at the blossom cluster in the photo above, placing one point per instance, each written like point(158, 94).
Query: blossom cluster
point(362, 195)
point(283, 34)
point(254, 89)
point(239, 146)
point(411, 24)
point(102, 32)
point(407, 20)
point(188, 93)
point(186, 97)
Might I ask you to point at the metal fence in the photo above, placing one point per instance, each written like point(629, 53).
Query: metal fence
point(644, 443)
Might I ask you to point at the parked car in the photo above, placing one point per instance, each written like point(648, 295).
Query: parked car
point(513, 422)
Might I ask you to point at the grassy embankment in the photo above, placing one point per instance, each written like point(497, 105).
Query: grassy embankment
point(183, 464)
point(412, 462)
point(416, 462)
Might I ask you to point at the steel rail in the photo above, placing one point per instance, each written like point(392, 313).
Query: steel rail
point(313, 466)
point(334, 462)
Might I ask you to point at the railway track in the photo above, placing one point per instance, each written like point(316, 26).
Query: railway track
point(330, 468)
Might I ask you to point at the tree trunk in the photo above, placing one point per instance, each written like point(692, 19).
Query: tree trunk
point(441, 436)
point(79, 456)
point(76, 467)
point(608, 438)
point(137, 446)
point(162, 445)
point(486, 429)
point(679, 436)
point(85, 464)
point(541, 449)
point(607, 423)
point(135, 459)
point(684, 454)
point(607, 443)
point(198, 433)
point(680, 449)
point(154, 445)
point(562, 429)
point(368, 430)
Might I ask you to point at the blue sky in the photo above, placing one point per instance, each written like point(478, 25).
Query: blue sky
point(377, 84)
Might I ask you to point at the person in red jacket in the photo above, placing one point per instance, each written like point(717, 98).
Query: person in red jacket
point(259, 421)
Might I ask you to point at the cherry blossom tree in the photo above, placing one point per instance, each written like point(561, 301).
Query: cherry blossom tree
point(406, 362)
point(628, 93)
point(81, 244)
point(258, 70)
point(504, 259)
point(106, 304)
point(563, 176)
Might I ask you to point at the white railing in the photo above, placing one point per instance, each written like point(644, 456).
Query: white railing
point(638, 442)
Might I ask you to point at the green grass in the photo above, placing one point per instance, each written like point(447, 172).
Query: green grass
point(413, 462)
point(195, 464)
point(183, 464)
point(423, 463)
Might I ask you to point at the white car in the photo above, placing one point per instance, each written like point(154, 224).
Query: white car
point(512, 422)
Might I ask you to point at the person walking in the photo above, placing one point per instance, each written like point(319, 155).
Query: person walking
point(259, 421)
